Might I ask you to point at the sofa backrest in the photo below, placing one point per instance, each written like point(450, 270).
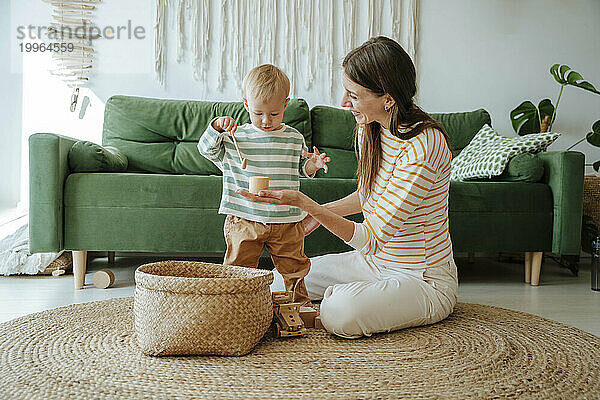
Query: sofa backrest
point(333, 133)
point(461, 127)
point(161, 136)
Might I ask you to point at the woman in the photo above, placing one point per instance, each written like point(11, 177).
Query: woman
point(402, 272)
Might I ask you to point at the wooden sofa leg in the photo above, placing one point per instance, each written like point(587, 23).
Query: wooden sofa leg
point(528, 258)
point(536, 266)
point(111, 257)
point(79, 267)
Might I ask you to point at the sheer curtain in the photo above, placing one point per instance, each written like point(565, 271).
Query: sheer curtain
point(45, 109)
point(46, 103)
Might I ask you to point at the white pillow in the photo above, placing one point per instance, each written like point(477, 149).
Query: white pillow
point(488, 153)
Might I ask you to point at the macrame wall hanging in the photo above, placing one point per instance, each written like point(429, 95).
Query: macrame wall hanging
point(245, 35)
point(71, 35)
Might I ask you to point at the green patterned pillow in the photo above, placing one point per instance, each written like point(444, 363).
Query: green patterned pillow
point(488, 153)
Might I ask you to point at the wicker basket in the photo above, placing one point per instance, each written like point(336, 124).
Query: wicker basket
point(64, 262)
point(591, 198)
point(184, 307)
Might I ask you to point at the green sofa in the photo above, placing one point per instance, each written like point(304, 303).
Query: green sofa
point(167, 199)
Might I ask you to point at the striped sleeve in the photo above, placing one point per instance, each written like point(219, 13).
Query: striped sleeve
point(408, 186)
point(211, 144)
point(303, 161)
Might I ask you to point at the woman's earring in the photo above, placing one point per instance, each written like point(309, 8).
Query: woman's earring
point(386, 108)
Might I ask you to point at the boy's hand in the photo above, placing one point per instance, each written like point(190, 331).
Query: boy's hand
point(223, 124)
point(318, 161)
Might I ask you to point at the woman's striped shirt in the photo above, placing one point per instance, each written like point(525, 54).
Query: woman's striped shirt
point(276, 154)
point(406, 213)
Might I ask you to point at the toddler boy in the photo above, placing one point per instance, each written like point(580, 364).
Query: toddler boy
point(271, 149)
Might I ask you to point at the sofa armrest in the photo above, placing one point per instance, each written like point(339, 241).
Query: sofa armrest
point(563, 171)
point(48, 170)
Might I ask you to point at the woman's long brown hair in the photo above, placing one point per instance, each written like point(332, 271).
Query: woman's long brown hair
point(382, 66)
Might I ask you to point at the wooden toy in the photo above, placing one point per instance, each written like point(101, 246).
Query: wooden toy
point(103, 278)
point(258, 183)
point(288, 322)
point(318, 323)
point(308, 315)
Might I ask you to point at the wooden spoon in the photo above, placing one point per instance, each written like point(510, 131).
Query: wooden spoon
point(243, 160)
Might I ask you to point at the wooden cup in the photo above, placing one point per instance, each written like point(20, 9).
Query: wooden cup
point(258, 183)
point(103, 278)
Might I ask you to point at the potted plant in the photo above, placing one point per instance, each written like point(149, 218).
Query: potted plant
point(527, 118)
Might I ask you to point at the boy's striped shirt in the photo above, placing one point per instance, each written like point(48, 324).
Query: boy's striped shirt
point(406, 213)
point(276, 154)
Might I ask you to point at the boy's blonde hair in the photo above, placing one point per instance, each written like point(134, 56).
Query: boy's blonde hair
point(264, 82)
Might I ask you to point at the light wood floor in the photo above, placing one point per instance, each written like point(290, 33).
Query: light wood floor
point(560, 296)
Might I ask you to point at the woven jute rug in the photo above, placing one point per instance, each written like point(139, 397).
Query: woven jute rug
point(89, 351)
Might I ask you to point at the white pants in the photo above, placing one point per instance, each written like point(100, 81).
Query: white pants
point(360, 298)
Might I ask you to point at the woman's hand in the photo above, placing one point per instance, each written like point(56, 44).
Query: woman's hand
point(310, 224)
point(336, 224)
point(283, 197)
point(280, 197)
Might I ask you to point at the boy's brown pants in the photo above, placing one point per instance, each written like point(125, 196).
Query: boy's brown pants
point(246, 241)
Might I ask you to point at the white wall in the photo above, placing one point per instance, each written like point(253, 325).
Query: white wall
point(10, 118)
point(497, 53)
point(492, 54)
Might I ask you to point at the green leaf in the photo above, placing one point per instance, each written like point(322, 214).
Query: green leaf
point(525, 118)
point(587, 86)
point(573, 78)
point(596, 166)
point(545, 108)
point(593, 137)
point(555, 74)
point(558, 71)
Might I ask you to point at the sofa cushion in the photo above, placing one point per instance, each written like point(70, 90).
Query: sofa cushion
point(142, 190)
point(506, 198)
point(524, 167)
point(332, 127)
point(333, 133)
point(343, 163)
point(143, 212)
point(161, 136)
point(166, 212)
point(325, 190)
point(488, 153)
point(518, 212)
point(461, 127)
point(87, 156)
